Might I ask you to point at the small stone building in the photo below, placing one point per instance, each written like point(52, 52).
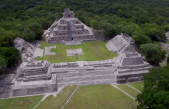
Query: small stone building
point(68, 28)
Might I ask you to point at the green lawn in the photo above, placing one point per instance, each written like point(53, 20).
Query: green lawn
point(129, 90)
point(57, 102)
point(93, 51)
point(139, 85)
point(20, 103)
point(100, 97)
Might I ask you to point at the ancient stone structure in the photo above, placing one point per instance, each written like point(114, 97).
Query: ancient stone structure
point(48, 50)
point(68, 29)
point(74, 52)
point(131, 67)
point(28, 51)
point(39, 77)
point(121, 43)
point(32, 78)
point(129, 63)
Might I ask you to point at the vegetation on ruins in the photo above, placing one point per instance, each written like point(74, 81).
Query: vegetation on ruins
point(93, 51)
point(145, 21)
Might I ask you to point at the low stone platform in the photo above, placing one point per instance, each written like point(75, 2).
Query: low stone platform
point(48, 50)
point(74, 42)
point(38, 53)
point(73, 52)
point(38, 77)
point(7, 79)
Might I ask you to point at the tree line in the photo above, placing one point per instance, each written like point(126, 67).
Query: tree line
point(145, 21)
point(155, 94)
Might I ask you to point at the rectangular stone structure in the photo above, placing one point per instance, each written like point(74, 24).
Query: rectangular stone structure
point(48, 50)
point(73, 52)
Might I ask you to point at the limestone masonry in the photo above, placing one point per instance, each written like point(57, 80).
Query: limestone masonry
point(38, 77)
point(68, 29)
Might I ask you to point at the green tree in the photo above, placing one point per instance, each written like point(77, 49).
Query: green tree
point(96, 25)
point(37, 29)
point(130, 29)
point(153, 52)
point(11, 55)
point(3, 62)
point(156, 34)
point(168, 60)
point(155, 94)
point(140, 37)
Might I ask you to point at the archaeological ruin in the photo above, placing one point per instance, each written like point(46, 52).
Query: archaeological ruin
point(68, 30)
point(37, 77)
point(28, 51)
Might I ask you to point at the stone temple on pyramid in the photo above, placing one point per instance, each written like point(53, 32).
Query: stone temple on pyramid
point(68, 29)
point(34, 77)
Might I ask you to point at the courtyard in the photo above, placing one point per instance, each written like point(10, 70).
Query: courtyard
point(93, 51)
point(94, 97)
point(86, 97)
point(20, 103)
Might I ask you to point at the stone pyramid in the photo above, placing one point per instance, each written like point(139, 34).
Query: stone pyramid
point(67, 29)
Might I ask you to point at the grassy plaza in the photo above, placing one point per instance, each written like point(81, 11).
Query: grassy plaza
point(86, 97)
point(57, 102)
point(128, 90)
point(100, 97)
point(138, 85)
point(20, 103)
point(93, 51)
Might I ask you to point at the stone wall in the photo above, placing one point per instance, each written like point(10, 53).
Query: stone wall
point(33, 90)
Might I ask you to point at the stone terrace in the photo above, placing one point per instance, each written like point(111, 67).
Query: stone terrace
point(48, 50)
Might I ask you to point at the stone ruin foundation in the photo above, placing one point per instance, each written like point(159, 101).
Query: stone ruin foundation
point(38, 77)
point(48, 50)
point(73, 52)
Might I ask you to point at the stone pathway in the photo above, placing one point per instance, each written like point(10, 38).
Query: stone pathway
point(70, 97)
point(133, 88)
point(123, 91)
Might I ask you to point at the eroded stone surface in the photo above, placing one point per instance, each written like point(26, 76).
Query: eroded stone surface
point(48, 50)
point(28, 51)
point(74, 52)
point(68, 29)
point(37, 77)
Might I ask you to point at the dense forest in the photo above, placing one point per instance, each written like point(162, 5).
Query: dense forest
point(146, 21)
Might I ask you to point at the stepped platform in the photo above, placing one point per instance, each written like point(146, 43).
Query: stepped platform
point(88, 77)
point(73, 42)
point(35, 87)
point(7, 79)
point(38, 53)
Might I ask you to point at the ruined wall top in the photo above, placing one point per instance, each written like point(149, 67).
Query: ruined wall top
point(68, 14)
